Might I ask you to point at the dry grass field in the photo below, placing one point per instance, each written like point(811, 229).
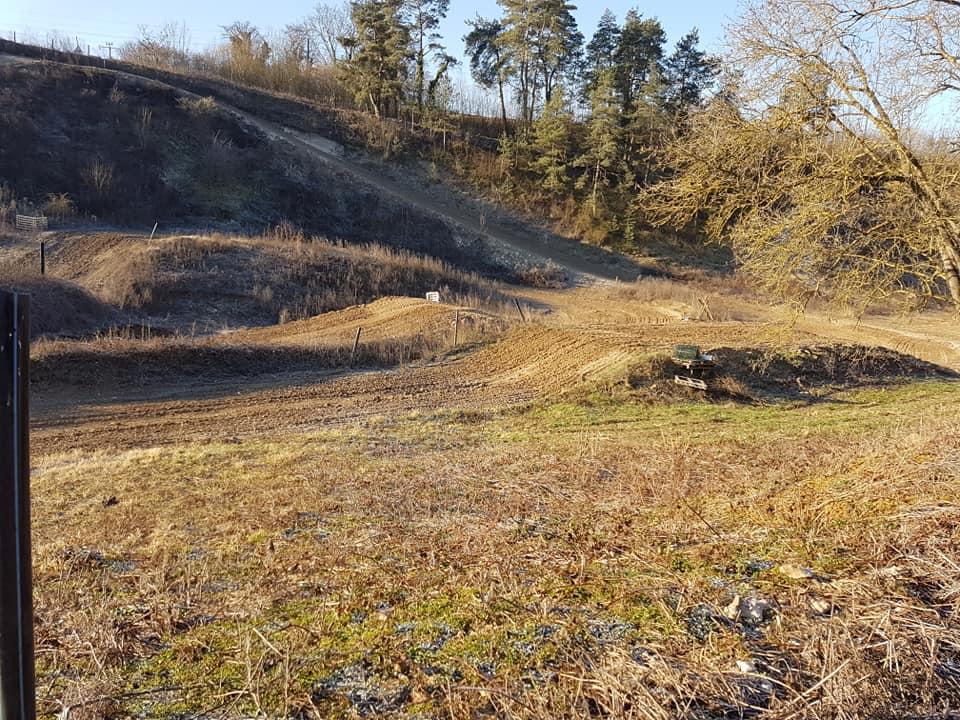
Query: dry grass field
point(495, 506)
point(534, 523)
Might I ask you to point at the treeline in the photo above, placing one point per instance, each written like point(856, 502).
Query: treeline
point(592, 117)
point(580, 123)
point(826, 162)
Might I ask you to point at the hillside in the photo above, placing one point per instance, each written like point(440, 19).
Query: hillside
point(436, 219)
point(126, 150)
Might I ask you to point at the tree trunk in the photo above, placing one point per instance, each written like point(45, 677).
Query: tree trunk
point(420, 74)
point(503, 107)
point(596, 183)
point(951, 268)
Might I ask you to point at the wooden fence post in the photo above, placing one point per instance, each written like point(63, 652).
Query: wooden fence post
point(456, 329)
point(43, 258)
point(17, 674)
point(520, 310)
point(356, 344)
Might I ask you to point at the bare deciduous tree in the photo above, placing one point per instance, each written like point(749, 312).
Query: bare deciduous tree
point(825, 172)
point(167, 47)
point(329, 25)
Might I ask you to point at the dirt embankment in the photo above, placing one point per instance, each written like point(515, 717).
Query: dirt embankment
point(279, 379)
point(485, 237)
point(201, 284)
point(131, 150)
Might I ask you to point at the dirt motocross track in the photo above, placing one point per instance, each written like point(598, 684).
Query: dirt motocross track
point(561, 351)
point(580, 334)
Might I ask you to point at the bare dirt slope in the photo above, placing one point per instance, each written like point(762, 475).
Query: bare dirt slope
point(512, 240)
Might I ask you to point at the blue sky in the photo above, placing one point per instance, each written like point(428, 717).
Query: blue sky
point(101, 21)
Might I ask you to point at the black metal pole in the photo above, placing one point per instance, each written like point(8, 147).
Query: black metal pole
point(17, 680)
point(43, 258)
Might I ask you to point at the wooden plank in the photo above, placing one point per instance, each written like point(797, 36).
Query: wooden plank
point(695, 383)
point(356, 344)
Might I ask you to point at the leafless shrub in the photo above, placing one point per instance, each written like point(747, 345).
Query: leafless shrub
point(8, 204)
point(59, 206)
point(545, 275)
point(206, 105)
point(144, 123)
point(652, 289)
point(98, 175)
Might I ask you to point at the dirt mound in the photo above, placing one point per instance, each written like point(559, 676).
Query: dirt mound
point(382, 320)
point(812, 371)
point(205, 284)
point(395, 331)
point(59, 307)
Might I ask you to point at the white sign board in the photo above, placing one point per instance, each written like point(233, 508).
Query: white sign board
point(433, 297)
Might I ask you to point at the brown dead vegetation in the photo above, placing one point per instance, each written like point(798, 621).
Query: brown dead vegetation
point(199, 284)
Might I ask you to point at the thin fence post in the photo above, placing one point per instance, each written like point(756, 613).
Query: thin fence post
point(456, 329)
point(43, 258)
point(520, 310)
point(356, 343)
point(17, 674)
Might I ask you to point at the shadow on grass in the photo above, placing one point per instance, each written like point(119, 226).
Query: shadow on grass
point(807, 375)
point(207, 369)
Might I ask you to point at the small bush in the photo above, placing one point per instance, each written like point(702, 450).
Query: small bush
point(98, 175)
point(58, 206)
point(548, 275)
point(198, 105)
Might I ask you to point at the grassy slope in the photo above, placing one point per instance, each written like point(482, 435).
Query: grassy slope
point(163, 156)
point(202, 284)
point(575, 557)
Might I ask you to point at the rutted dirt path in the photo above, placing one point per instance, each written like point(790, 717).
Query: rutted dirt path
point(513, 240)
point(585, 334)
point(529, 362)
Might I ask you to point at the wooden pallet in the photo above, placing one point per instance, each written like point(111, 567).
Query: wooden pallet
point(696, 364)
point(692, 382)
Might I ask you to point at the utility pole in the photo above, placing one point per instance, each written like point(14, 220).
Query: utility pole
point(109, 47)
point(17, 673)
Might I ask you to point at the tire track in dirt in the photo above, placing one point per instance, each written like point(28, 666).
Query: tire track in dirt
point(528, 362)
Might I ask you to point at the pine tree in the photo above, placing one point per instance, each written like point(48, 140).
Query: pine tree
point(689, 73)
point(603, 152)
point(639, 53)
point(488, 65)
point(646, 128)
point(559, 44)
point(601, 51)
point(380, 52)
point(541, 45)
point(424, 19)
point(551, 145)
